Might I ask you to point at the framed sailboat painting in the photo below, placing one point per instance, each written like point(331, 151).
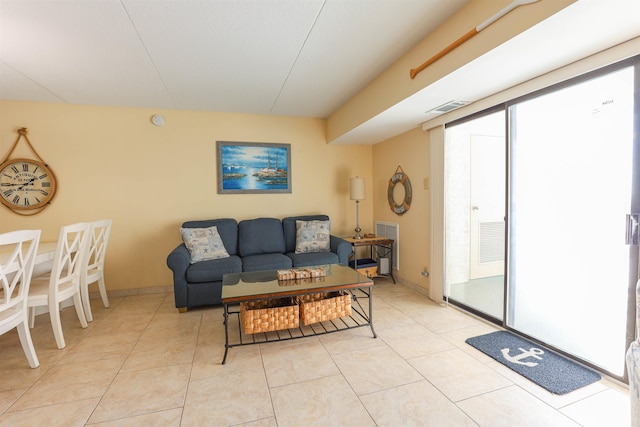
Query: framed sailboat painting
point(253, 167)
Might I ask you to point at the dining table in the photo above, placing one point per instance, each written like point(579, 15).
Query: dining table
point(42, 265)
point(44, 257)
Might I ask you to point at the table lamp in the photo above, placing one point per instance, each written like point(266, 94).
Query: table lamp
point(356, 192)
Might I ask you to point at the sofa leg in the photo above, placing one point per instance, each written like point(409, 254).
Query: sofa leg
point(182, 309)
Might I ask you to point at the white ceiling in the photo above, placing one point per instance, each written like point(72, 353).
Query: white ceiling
point(282, 57)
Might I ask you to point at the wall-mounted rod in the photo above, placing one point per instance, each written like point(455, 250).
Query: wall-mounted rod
point(470, 34)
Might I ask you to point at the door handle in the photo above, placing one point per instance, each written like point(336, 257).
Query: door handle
point(633, 230)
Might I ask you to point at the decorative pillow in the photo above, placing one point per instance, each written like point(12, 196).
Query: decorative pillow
point(313, 236)
point(204, 243)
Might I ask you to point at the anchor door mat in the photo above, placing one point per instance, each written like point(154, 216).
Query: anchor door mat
point(549, 370)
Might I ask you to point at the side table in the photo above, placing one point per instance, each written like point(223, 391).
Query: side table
point(382, 246)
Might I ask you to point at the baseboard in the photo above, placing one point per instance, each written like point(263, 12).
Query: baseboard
point(413, 286)
point(118, 293)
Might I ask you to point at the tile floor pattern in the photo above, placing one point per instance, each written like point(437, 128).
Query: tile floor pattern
point(142, 363)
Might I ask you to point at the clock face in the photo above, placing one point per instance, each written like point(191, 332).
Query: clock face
point(26, 184)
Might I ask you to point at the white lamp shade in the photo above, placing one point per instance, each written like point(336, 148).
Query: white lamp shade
point(356, 188)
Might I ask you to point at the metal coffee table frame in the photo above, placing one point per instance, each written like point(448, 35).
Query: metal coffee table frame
point(261, 285)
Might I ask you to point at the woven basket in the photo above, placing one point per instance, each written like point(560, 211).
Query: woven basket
point(316, 308)
point(269, 315)
point(300, 273)
point(369, 271)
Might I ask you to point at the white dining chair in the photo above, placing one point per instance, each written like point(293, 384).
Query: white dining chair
point(18, 253)
point(63, 283)
point(93, 268)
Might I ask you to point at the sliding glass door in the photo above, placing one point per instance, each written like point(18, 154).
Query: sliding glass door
point(475, 207)
point(571, 155)
point(537, 191)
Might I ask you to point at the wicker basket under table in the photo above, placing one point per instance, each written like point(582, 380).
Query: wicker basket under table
point(269, 315)
point(320, 307)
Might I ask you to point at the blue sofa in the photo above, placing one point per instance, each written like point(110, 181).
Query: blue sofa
point(252, 245)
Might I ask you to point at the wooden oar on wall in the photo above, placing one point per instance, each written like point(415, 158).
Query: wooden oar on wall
point(470, 34)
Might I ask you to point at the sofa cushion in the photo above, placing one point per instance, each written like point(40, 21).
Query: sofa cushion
point(270, 261)
point(203, 243)
point(290, 230)
point(260, 236)
point(313, 258)
point(312, 236)
point(227, 228)
point(212, 270)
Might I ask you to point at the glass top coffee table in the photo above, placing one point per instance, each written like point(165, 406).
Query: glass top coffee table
point(269, 301)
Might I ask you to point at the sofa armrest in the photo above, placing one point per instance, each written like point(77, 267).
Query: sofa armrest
point(342, 248)
point(178, 261)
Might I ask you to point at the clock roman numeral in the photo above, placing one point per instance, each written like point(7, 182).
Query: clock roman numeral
point(26, 185)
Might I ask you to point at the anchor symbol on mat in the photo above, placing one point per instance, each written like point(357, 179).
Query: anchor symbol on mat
point(533, 352)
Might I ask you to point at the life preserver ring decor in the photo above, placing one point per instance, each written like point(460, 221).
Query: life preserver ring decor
point(399, 177)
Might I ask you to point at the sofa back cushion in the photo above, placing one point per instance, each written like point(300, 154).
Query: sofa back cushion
point(227, 228)
point(290, 230)
point(260, 236)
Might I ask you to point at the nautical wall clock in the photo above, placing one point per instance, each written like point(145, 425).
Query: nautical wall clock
point(27, 186)
point(399, 177)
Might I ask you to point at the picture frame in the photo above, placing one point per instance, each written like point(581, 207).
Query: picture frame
point(253, 167)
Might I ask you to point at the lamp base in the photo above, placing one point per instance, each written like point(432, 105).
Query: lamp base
point(357, 236)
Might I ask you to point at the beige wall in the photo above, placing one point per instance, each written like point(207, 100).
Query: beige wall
point(410, 151)
point(113, 163)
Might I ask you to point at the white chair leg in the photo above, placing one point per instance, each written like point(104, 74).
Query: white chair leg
point(84, 291)
point(32, 316)
point(77, 303)
point(56, 324)
point(103, 290)
point(27, 343)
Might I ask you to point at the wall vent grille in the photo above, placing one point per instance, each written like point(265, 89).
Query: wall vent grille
point(449, 106)
point(491, 242)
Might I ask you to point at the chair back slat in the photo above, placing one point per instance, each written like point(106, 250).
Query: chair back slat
point(70, 254)
point(99, 235)
point(92, 270)
point(18, 251)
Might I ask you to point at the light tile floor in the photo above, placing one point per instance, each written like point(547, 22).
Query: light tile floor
point(142, 363)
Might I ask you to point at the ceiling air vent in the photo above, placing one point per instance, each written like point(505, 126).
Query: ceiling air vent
point(449, 106)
